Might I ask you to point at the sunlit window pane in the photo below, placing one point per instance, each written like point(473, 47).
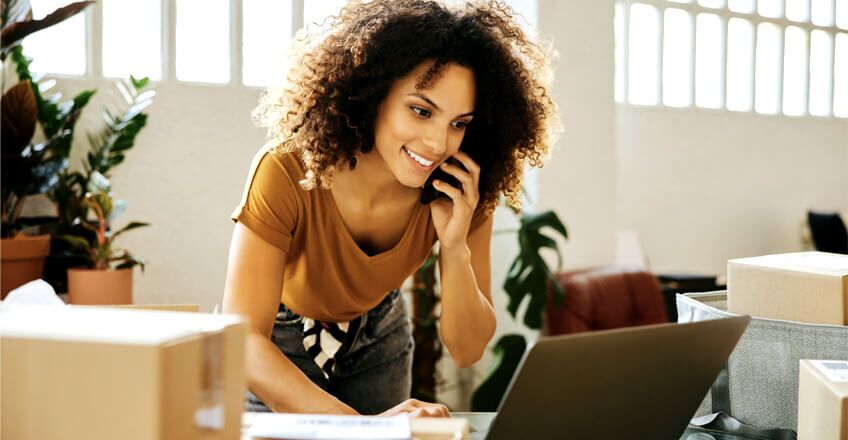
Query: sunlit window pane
point(708, 61)
point(643, 54)
point(740, 64)
point(711, 3)
point(315, 12)
point(677, 50)
point(618, 25)
point(203, 40)
point(770, 8)
point(798, 10)
point(744, 6)
point(59, 48)
point(821, 54)
point(840, 72)
point(768, 65)
point(132, 39)
point(842, 13)
point(794, 71)
point(822, 12)
point(267, 34)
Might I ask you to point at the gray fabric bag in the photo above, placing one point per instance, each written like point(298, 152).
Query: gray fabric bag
point(763, 368)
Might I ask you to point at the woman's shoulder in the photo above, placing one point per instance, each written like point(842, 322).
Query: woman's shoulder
point(283, 159)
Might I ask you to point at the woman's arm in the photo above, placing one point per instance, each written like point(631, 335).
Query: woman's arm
point(253, 286)
point(468, 318)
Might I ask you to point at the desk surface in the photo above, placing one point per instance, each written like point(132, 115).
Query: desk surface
point(481, 421)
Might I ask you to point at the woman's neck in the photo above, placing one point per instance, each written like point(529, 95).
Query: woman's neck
point(370, 182)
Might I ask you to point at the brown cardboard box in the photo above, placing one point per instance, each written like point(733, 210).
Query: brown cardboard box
point(823, 400)
point(99, 373)
point(809, 287)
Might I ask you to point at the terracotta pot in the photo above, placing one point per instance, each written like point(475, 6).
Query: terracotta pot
point(22, 260)
point(103, 287)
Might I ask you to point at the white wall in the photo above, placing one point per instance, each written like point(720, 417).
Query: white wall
point(701, 187)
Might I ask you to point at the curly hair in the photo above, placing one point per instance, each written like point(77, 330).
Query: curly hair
point(326, 110)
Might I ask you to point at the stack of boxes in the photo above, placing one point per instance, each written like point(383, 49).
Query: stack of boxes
point(808, 287)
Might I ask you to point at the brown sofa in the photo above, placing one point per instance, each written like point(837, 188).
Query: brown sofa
point(605, 298)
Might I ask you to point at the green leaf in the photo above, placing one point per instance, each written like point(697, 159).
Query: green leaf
point(139, 83)
point(77, 243)
point(529, 274)
point(98, 183)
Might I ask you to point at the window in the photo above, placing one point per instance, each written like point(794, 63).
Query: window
point(62, 45)
point(132, 39)
point(235, 42)
point(785, 57)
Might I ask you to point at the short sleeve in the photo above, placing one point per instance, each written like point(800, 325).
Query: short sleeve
point(269, 204)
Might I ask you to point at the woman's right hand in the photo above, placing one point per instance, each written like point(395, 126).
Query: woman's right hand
point(417, 408)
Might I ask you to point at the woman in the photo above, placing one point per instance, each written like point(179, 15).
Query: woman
point(333, 220)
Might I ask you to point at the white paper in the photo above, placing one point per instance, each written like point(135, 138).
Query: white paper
point(324, 427)
point(34, 292)
point(835, 371)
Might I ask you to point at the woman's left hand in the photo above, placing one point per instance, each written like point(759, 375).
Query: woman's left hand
point(452, 218)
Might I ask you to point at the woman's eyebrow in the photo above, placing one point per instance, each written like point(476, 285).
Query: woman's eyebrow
point(435, 106)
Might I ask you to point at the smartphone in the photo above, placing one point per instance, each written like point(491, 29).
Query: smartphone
point(471, 145)
point(429, 193)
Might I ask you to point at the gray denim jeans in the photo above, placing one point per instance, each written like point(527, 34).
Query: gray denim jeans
point(373, 375)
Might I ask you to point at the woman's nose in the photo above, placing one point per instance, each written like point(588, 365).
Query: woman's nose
point(437, 141)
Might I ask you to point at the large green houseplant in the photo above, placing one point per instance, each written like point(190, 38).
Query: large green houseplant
point(528, 279)
point(30, 168)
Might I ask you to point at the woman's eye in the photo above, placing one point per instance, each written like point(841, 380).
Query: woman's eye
point(460, 125)
point(424, 113)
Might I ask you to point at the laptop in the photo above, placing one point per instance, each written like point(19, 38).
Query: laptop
point(638, 382)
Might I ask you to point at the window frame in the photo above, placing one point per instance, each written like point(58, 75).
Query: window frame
point(725, 14)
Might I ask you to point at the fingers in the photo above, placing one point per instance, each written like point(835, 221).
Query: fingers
point(472, 167)
point(463, 176)
point(431, 410)
point(454, 193)
point(417, 408)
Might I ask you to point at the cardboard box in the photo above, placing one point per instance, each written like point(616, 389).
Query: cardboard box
point(823, 400)
point(809, 287)
point(163, 307)
point(101, 373)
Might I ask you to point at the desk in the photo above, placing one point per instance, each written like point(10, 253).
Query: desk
point(482, 420)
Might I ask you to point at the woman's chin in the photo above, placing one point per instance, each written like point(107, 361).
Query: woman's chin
point(416, 182)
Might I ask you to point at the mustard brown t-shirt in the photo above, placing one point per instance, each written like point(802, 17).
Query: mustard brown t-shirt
point(327, 275)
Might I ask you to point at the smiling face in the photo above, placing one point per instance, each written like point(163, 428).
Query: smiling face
point(418, 129)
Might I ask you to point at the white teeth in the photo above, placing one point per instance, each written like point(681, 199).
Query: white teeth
point(418, 158)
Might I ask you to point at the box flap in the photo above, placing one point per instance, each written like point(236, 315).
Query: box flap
point(822, 263)
point(104, 325)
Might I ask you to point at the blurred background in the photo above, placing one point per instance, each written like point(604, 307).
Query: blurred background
point(694, 131)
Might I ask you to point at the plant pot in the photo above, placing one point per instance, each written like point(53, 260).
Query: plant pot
point(22, 260)
point(100, 287)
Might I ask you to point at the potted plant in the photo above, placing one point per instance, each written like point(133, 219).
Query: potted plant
point(124, 119)
point(107, 278)
point(29, 169)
